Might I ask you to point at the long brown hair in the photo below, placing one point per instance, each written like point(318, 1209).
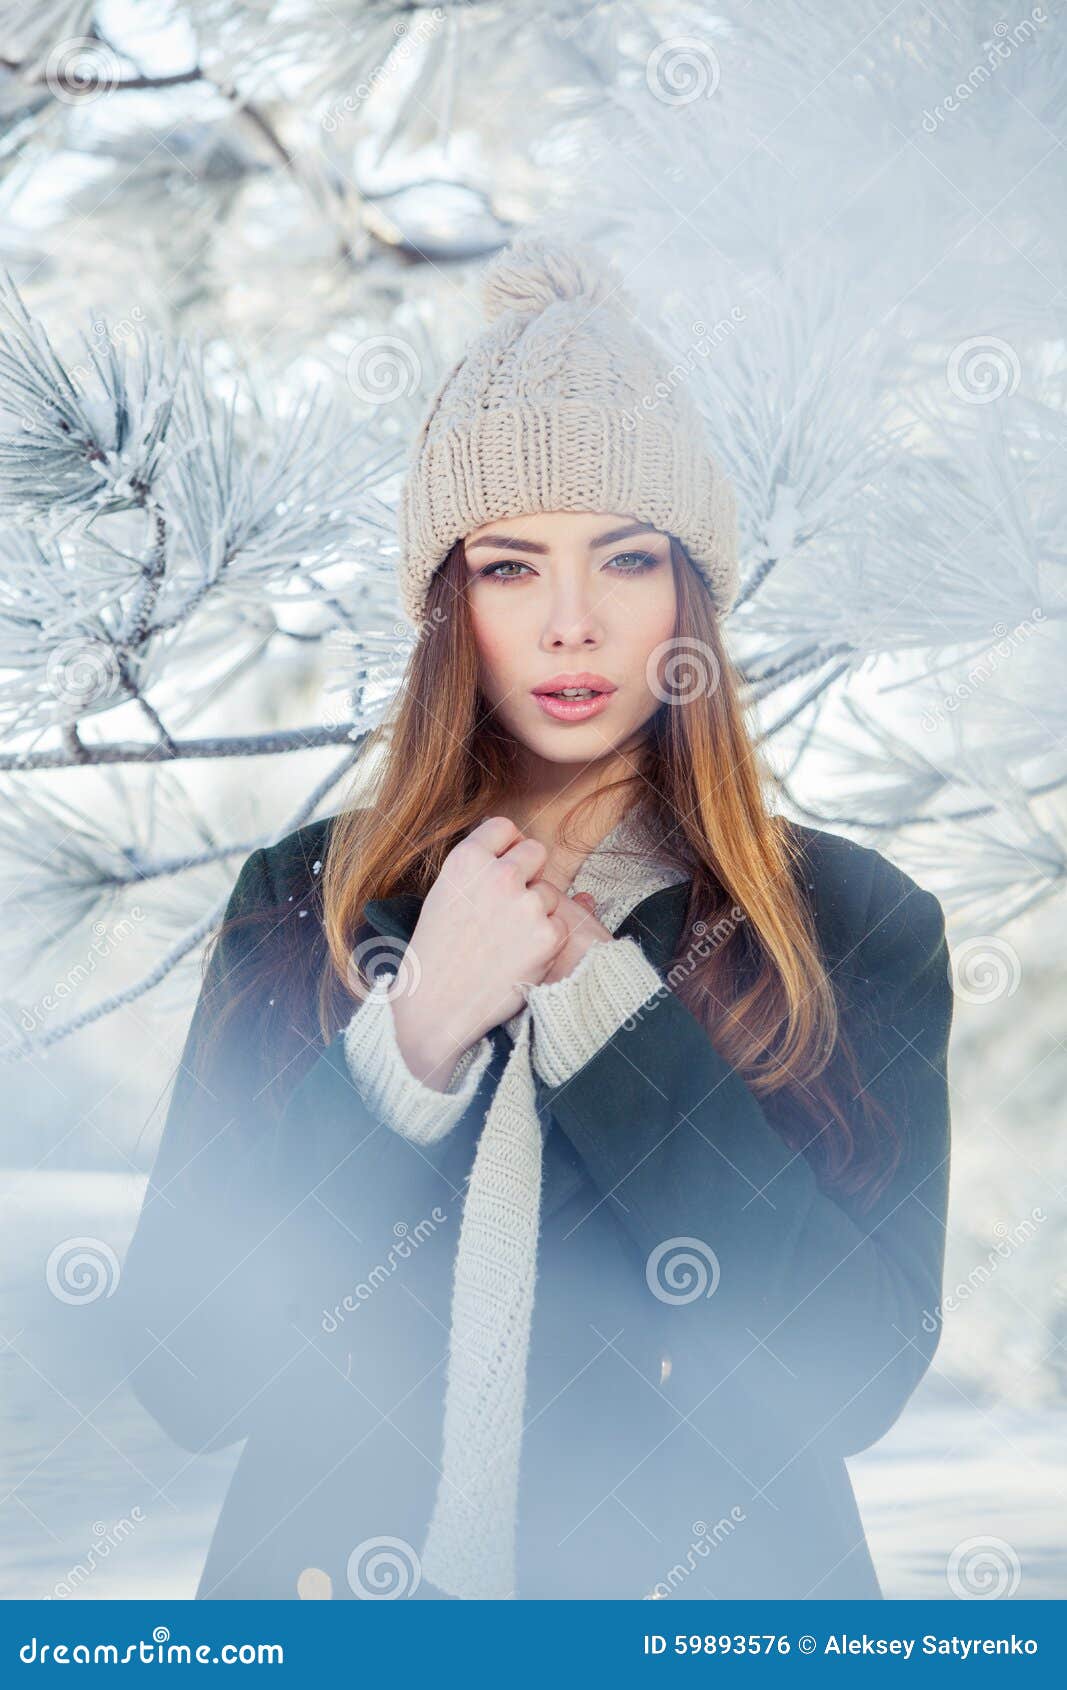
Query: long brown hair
point(760, 986)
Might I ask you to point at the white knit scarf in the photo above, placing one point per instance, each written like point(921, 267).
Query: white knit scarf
point(470, 1547)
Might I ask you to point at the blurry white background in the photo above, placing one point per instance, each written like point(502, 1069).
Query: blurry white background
point(241, 243)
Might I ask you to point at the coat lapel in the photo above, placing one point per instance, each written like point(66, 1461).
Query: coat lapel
point(325, 1098)
point(395, 916)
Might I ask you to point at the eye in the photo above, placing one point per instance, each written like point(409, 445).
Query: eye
point(643, 562)
point(507, 563)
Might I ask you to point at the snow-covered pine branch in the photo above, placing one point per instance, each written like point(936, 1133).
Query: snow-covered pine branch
point(217, 539)
point(159, 539)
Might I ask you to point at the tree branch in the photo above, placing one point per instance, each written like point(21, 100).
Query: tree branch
point(973, 812)
point(179, 950)
point(103, 84)
point(134, 751)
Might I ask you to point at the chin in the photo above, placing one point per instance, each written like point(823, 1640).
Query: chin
point(570, 744)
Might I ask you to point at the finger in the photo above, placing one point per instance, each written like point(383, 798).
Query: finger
point(550, 896)
point(529, 854)
point(496, 834)
point(582, 908)
point(562, 936)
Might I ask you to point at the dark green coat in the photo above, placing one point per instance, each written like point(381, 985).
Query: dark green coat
point(691, 1444)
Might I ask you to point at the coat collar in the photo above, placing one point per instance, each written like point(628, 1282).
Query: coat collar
point(321, 1101)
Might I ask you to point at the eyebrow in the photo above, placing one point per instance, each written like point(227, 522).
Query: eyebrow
point(506, 543)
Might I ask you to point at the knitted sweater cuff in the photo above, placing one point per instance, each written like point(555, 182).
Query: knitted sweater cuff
point(389, 1088)
point(575, 1016)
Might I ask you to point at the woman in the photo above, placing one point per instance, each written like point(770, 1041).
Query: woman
point(545, 1245)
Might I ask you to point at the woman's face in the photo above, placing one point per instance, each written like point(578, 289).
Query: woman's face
point(570, 593)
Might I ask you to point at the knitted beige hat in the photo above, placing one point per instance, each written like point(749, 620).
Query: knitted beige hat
point(561, 404)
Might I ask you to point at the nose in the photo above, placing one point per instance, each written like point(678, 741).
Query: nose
point(573, 619)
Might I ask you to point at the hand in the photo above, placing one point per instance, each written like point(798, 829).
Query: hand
point(488, 926)
point(579, 915)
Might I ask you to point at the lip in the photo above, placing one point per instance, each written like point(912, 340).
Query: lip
point(574, 709)
point(585, 679)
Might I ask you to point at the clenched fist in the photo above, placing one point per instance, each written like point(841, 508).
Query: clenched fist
point(489, 927)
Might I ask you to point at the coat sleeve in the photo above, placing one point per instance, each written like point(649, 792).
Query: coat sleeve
point(795, 1292)
point(205, 1297)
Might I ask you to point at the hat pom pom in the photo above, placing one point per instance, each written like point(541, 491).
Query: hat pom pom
point(534, 273)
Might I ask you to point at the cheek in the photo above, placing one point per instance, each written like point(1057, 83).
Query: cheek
point(652, 627)
point(494, 637)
